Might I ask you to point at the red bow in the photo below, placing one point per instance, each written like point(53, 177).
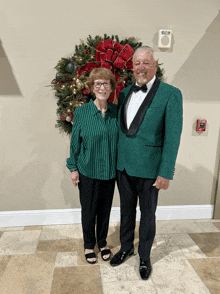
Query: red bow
point(114, 55)
point(87, 67)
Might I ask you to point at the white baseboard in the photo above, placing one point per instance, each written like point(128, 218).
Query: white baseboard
point(73, 216)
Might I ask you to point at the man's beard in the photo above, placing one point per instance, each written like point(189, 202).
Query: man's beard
point(142, 80)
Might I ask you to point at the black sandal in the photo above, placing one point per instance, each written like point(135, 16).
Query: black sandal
point(105, 252)
point(90, 255)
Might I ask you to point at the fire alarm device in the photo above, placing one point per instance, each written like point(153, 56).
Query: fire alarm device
point(164, 39)
point(201, 125)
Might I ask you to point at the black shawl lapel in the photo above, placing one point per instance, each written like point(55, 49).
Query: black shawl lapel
point(140, 113)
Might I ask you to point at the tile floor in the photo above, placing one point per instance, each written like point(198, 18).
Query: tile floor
point(50, 260)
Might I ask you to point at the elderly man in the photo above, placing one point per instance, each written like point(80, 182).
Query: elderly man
point(150, 118)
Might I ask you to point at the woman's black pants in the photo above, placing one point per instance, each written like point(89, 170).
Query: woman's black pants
point(96, 200)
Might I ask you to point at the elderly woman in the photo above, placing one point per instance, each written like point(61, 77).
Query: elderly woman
point(92, 161)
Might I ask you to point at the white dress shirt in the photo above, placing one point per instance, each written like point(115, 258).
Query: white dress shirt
point(135, 102)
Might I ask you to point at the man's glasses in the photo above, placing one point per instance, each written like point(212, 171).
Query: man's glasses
point(98, 85)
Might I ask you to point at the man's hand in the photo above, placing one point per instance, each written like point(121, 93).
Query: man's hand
point(75, 177)
point(161, 183)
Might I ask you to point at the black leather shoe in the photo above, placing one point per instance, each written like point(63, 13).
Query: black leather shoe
point(120, 257)
point(145, 269)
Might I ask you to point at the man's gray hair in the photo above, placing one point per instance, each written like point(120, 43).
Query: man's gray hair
point(144, 48)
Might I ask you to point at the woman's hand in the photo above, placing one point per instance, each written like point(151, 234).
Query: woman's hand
point(75, 177)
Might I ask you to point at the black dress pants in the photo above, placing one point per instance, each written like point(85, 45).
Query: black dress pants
point(129, 189)
point(96, 201)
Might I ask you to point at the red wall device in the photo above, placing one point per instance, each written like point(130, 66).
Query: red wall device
point(201, 125)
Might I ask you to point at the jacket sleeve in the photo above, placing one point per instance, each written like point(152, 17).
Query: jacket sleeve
point(173, 128)
point(75, 141)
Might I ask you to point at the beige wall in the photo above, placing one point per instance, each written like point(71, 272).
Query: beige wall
point(217, 202)
point(36, 34)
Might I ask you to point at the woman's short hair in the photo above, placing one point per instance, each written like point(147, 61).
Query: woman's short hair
point(100, 74)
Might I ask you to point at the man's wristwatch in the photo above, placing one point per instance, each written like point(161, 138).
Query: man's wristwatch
point(72, 170)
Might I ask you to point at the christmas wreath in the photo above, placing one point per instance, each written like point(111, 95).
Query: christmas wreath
point(72, 73)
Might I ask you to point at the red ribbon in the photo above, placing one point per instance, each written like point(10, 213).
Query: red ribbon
point(114, 54)
point(87, 67)
point(120, 85)
point(54, 81)
point(90, 65)
point(111, 55)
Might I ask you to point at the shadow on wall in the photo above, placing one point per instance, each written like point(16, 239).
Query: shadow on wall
point(23, 190)
point(189, 187)
point(34, 157)
point(70, 192)
point(28, 148)
point(8, 84)
point(200, 74)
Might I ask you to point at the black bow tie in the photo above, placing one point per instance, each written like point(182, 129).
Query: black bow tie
point(137, 88)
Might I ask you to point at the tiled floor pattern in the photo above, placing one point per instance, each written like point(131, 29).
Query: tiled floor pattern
point(50, 260)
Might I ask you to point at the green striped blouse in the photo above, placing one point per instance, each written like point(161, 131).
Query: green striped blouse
point(94, 140)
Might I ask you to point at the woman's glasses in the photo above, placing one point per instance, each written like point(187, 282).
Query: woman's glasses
point(98, 85)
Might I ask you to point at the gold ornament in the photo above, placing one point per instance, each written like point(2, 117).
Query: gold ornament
point(79, 84)
point(71, 103)
point(74, 91)
point(68, 118)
